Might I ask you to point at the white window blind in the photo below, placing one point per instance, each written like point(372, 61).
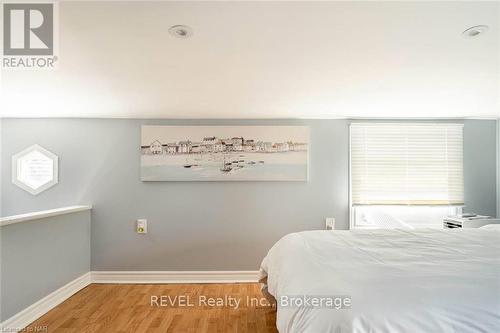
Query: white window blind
point(411, 164)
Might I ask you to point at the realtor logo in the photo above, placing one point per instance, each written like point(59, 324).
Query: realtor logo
point(28, 29)
point(28, 35)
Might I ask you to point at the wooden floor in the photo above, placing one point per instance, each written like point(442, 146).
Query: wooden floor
point(127, 308)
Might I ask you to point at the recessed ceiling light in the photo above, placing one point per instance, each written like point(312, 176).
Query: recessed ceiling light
point(181, 31)
point(475, 31)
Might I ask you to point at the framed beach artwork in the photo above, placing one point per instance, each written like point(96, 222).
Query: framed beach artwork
point(224, 153)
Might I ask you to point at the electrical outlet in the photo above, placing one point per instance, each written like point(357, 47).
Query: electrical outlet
point(142, 226)
point(330, 223)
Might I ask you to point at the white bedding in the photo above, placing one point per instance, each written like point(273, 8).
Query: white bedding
point(398, 280)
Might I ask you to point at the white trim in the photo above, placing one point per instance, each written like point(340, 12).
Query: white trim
point(42, 214)
point(174, 276)
point(38, 309)
point(319, 117)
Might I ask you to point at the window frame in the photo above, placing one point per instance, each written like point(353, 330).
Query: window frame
point(352, 207)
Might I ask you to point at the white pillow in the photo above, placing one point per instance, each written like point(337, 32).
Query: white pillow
point(491, 226)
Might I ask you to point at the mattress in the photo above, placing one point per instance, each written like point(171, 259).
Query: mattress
point(395, 280)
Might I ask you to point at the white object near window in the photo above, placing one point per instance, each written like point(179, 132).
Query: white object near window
point(401, 217)
point(35, 169)
point(411, 164)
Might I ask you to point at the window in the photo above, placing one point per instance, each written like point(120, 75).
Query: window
point(414, 164)
point(35, 169)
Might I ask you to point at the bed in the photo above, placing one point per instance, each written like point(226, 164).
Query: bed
point(397, 280)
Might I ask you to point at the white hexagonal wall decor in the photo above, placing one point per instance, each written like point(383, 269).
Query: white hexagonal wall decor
point(35, 169)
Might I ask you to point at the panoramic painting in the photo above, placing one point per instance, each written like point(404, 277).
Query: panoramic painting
point(224, 153)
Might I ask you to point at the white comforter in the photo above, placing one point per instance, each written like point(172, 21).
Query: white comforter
point(398, 280)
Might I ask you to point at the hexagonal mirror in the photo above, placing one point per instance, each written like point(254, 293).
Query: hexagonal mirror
point(35, 169)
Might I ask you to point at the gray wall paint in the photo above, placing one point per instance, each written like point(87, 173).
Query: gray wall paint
point(40, 256)
point(192, 226)
point(202, 225)
point(480, 166)
point(498, 168)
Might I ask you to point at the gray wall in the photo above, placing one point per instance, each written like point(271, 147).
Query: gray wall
point(40, 256)
point(480, 166)
point(498, 168)
point(202, 225)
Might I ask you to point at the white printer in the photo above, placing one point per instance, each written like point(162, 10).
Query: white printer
point(468, 221)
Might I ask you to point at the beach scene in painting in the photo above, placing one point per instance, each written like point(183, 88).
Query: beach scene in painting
point(224, 153)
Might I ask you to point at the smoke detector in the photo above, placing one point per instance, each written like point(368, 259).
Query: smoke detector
point(474, 32)
point(180, 31)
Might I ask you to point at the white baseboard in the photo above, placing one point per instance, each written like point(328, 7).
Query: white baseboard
point(174, 276)
point(38, 309)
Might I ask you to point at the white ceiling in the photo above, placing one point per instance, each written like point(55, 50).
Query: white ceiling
point(266, 60)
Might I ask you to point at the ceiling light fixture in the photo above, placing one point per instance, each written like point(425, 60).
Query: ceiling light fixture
point(180, 31)
point(474, 32)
